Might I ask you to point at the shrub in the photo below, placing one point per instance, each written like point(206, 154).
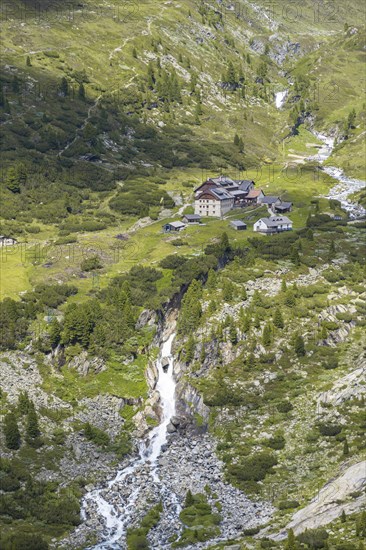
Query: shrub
point(276, 442)
point(329, 430)
point(288, 504)
point(285, 407)
point(89, 264)
point(253, 468)
point(314, 538)
point(96, 435)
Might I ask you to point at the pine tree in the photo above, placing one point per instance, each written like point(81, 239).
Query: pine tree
point(241, 145)
point(24, 403)
point(32, 427)
point(11, 432)
point(202, 353)
point(291, 541)
point(246, 324)
point(236, 139)
point(294, 256)
point(211, 280)
point(134, 53)
point(189, 348)
point(257, 299)
point(28, 61)
point(283, 285)
point(243, 294)
point(64, 87)
point(81, 92)
point(343, 517)
point(230, 75)
point(189, 501)
point(233, 334)
point(228, 291)
point(267, 336)
point(332, 250)
point(150, 76)
point(278, 319)
point(54, 333)
point(345, 448)
point(299, 346)
point(11, 180)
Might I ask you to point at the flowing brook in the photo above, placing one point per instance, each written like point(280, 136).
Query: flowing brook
point(346, 186)
point(167, 466)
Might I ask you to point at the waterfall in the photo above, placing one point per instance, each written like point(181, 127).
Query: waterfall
point(117, 516)
point(280, 98)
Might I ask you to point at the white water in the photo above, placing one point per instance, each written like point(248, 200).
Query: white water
point(280, 98)
point(117, 517)
point(346, 186)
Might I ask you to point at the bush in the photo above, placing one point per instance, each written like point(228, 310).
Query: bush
point(329, 430)
point(254, 468)
point(33, 229)
point(276, 442)
point(285, 407)
point(22, 541)
point(89, 264)
point(314, 538)
point(288, 504)
point(96, 435)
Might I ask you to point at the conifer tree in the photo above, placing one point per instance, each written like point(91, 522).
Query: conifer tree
point(28, 61)
point(332, 250)
point(32, 427)
point(267, 336)
point(233, 334)
point(278, 319)
point(299, 346)
point(202, 353)
point(257, 299)
point(150, 76)
point(236, 139)
point(24, 403)
point(81, 92)
point(134, 53)
point(211, 280)
point(11, 432)
point(54, 333)
point(189, 348)
point(343, 517)
point(64, 87)
point(345, 448)
point(246, 324)
point(228, 291)
point(243, 294)
point(241, 145)
point(230, 75)
point(189, 501)
point(283, 285)
point(291, 541)
point(294, 256)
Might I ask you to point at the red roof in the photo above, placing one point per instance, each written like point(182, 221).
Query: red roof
point(254, 193)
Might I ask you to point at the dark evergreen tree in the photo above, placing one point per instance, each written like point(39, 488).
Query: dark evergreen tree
point(134, 53)
point(24, 403)
point(345, 448)
point(64, 87)
point(150, 76)
point(28, 61)
point(189, 500)
point(233, 334)
point(343, 517)
point(299, 346)
point(294, 256)
point(11, 432)
point(54, 333)
point(32, 427)
point(81, 92)
point(291, 541)
point(236, 139)
point(278, 319)
point(267, 336)
point(189, 349)
point(230, 74)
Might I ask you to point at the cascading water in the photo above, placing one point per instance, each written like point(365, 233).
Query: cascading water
point(117, 516)
point(346, 186)
point(280, 98)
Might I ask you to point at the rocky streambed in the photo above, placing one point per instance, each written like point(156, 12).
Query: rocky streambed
point(187, 461)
